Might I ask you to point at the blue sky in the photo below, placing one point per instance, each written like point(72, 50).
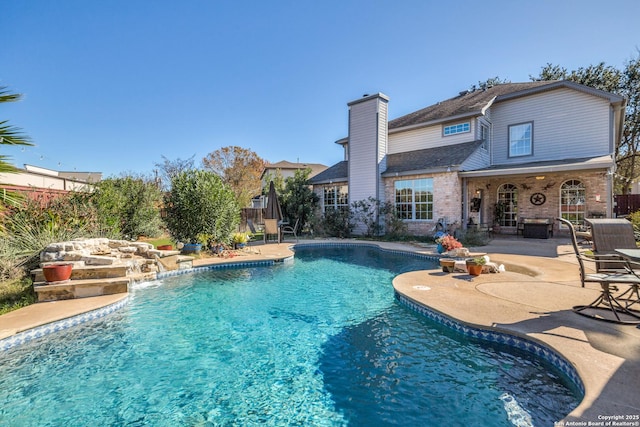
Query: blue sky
point(112, 86)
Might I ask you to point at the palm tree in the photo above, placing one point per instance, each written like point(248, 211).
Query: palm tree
point(9, 135)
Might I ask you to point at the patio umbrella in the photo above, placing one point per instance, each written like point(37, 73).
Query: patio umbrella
point(273, 211)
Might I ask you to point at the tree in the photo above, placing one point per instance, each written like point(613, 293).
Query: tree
point(624, 82)
point(170, 168)
point(491, 81)
point(278, 182)
point(9, 135)
point(240, 168)
point(298, 201)
point(129, 206)
point(200, 206)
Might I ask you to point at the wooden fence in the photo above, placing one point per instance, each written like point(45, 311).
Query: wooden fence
point(254, 214)
point(625, 204)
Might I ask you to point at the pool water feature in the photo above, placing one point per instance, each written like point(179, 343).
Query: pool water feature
point(316, 341)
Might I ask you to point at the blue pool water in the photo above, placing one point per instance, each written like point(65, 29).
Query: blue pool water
point(318, 341)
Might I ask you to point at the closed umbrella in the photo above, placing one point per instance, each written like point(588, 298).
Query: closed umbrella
point(273, 210)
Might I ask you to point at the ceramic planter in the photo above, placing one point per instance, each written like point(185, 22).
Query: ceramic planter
point(192, 248)
point(447, 265)
point(57, 272)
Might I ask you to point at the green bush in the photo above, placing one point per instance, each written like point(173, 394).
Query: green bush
point(298, 201)
point(378, 218)
point(30, 227)
point(334, 223)
point(635, 220)
point(129, 206)
point(471, 238)
point(199, 207)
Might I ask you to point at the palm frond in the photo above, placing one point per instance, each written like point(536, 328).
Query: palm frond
point(11, 135)
point(6, 96)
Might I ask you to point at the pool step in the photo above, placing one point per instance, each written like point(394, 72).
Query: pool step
point(88, 272)
point(81, 288)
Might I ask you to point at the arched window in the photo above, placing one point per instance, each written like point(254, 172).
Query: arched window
point(506, 212)
point(572, 206)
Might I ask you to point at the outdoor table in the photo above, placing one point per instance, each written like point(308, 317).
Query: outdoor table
point(633, 296)
point(630, 254)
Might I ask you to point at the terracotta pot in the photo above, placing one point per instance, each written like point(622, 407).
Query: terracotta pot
point(474, 269)
point(165, 247)
point(57, 272)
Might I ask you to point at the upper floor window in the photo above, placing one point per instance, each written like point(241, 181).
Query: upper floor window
point(457, 128)
point(521, 139)
point(414, 199)
point(484, 135)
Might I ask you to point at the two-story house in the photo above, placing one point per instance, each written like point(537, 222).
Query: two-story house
point(494, 155)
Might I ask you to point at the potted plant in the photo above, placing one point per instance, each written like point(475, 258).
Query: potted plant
point(499, 211)
point(447, 264)
point(57, 272)
point(240, 240)
point(447, 243)
point(475, 265)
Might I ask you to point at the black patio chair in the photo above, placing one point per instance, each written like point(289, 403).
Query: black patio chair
point(606, 302)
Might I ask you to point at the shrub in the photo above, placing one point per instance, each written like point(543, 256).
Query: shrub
point(378, 218)
point(635, 220)
point(199, 203)
point(298, 201)
point(472, 238)
point(30, 227)
point(129, 206)
point(334, 223)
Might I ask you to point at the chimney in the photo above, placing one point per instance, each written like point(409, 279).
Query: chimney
point(368, 136)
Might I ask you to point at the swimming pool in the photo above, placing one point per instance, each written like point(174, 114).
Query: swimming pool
point(317, 341)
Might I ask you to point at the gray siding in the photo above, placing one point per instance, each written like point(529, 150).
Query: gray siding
point(478, 160)
point(383, 137)
point(428, 137)
point(368, 137)
point(566, 123)
point(362, 151)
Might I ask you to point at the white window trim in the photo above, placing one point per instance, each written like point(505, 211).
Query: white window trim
point(413, 200)
point(455, 125)
point(530, 153)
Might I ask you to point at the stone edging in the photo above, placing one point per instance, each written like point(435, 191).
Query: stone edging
point(530, 346)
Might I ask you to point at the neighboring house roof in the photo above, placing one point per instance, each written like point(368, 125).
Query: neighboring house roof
point(430, 158)
point(316, 168)
point(337, 172)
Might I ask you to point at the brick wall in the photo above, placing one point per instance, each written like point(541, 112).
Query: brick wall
point(595, 185)
point(446, 200)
